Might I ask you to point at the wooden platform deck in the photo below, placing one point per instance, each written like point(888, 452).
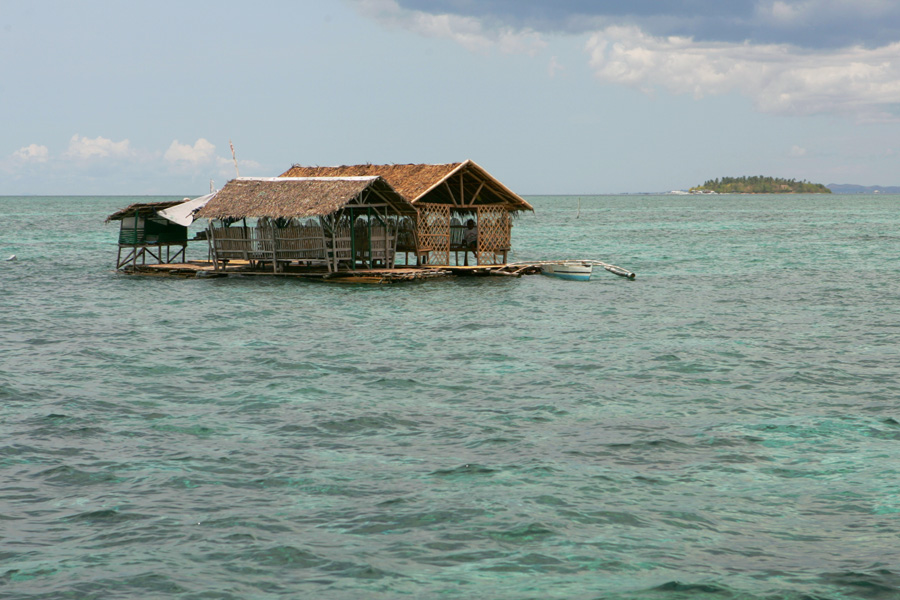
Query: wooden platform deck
point(202, 268)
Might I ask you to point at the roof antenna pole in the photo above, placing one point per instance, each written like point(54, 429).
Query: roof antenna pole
point(234, 159)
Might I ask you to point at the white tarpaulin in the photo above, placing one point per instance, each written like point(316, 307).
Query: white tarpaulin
point(183, 213)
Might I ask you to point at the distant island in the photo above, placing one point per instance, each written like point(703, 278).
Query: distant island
point(759, 185)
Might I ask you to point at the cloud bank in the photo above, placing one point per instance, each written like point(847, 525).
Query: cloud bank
point(32, 153)
point(200, 153)
point(82, 148)
point(804, 23)
point(468, 31)
point(855, 82)
point(790, 57)
point(100, 157)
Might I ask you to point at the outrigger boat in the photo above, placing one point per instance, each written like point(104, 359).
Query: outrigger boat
point(579, 270)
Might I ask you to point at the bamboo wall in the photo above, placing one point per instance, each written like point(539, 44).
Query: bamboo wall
point(334, 245)
point(440, 235)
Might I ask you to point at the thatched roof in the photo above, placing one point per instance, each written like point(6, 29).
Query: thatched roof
point(298, 197)
point(145, 209)
point(453, 183)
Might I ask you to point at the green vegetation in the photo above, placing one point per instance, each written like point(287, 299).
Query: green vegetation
point(760, 185)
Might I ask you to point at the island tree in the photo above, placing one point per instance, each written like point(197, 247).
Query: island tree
point(760, 185)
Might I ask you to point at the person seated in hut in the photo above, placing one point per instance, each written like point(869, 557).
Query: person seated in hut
point(470, 235)
point(470, 239)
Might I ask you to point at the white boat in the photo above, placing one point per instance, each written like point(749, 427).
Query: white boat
point(568, 269)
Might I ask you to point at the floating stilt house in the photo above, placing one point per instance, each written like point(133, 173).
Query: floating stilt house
point(335, 223)
point(146, 236)
point(445, 198)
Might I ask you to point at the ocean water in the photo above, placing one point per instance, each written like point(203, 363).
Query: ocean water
point(724, 427)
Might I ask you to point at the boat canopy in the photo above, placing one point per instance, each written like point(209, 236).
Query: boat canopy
point(183, 214)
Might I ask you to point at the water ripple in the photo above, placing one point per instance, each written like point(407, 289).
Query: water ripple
point(724, 427)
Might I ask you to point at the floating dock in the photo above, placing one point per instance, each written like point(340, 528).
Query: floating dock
point(206, 269)
point(240, 268)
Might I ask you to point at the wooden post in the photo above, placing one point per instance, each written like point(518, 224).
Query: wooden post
point(479, 236)
point(211, 240)
point(274, 248)
point(134, 258)
point(369, 226)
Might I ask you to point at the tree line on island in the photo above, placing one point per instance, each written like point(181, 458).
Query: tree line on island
point(760, 185)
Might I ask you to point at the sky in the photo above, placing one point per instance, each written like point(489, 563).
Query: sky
point(104, 97)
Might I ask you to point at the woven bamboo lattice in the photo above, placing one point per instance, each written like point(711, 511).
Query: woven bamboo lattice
point(434, 232)
point(494, 226)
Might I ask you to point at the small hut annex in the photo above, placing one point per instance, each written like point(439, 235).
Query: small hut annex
point(335, 222)
point(445, 198)
point(146, 235)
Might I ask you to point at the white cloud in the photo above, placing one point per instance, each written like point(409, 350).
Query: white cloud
point(813, 75)
point(554, 67)
point(469, 32)
point(529, 42)
point(201, 152)
point(803, 23)
point(798, 151)
point(82, 148)
point(796, 12)
point(101, 166)
point(32, 153)
point(780, 12)
point(779, 78)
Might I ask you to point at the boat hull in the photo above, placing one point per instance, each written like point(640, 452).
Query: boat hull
point(573, 271)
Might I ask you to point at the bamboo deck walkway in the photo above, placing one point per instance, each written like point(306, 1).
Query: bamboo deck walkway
point(202, 269)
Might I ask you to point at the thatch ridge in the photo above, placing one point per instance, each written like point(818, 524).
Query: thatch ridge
point(410, 180)
point(415, 181)
point(295, 197)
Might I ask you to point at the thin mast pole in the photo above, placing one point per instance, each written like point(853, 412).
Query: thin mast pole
point(234, 159)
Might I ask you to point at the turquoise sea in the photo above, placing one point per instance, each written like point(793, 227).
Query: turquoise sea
point(724, 427)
